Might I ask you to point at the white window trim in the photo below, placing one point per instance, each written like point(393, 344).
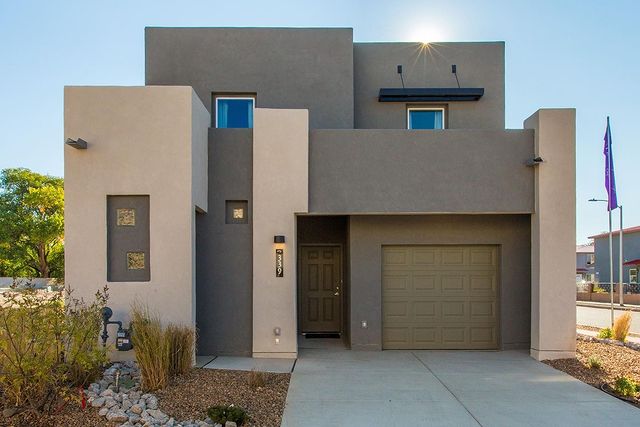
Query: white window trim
point(410, 109)
point(251, 98)
point(635, 270)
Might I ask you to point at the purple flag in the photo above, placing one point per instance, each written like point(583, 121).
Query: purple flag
point(609, 177)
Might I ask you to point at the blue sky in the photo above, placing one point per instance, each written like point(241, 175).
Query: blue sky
point(582, 54)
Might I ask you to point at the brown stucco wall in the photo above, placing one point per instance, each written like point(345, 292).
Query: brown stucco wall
point(479, 65)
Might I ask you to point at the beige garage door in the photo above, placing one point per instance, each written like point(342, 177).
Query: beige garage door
point(440, 297)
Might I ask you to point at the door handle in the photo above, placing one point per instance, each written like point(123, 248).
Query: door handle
point(337, 291)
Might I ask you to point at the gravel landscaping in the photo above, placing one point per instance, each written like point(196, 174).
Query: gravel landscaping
point(616, 360)
point(182, 404)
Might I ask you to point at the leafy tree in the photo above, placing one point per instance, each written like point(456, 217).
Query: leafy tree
point(31, 224)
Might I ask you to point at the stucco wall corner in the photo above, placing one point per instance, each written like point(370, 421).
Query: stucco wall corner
point(553, 234)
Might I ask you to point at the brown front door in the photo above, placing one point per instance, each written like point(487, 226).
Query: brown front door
point(320, 288)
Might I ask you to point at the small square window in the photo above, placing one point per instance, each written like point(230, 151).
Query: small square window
point(236, 212)
point(234, 112)
point(633, 275)
point(425, 118)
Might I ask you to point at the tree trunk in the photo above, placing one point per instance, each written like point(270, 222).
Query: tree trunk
point(42, 261)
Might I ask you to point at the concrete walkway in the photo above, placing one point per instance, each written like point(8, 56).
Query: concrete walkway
point(440, 388)
point(600, 316)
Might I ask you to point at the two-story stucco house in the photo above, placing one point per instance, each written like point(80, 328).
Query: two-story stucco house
point(268, 185)
point(585, 263)
point(630, 257)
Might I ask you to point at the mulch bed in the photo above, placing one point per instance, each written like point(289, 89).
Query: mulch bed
point(189, 396)
point(71, 416)
point(616, 361)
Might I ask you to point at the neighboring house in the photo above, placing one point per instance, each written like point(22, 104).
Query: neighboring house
point(270, 183)
point(630, 255)
point(585, 263)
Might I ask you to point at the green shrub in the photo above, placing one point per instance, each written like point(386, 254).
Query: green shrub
point(221, 414)
point(626, 386)
point(594, 363)
point(48, 347)
point(605, 333)
point(162, 353)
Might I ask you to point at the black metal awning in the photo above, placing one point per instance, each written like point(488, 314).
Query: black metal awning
point(430, 94)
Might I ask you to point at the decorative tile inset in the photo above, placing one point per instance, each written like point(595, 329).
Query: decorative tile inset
point(238, 213)
point(135, 260)
point(126, 217)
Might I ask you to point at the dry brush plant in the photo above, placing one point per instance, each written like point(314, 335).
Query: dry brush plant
point(621, 326)
point(48, 346)
point(161, 353)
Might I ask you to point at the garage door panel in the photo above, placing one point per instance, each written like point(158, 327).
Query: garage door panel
point(397, 281)
point(453, 256)
point(425, 283)
point(397, 311)
point(440, 297)
point(424, 256)
point(452, 284)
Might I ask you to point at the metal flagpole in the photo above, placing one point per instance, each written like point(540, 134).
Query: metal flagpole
point(621, 288)
point(611, 266)
point(609, 164)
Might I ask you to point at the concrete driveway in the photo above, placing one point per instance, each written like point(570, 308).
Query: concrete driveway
point(442, 388)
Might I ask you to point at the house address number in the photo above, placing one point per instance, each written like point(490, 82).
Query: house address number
point(279, 263)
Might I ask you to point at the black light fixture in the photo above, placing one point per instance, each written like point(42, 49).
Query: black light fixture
point(278, 239)
point(535, 161)
point(79, 143)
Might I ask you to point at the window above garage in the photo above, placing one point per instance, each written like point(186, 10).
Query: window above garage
point(425, 118)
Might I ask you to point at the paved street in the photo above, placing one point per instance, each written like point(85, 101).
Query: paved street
point(601, 317)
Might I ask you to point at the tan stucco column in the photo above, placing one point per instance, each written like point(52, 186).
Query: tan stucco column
point(280, 190)
point(148, 141)
point(553, 235)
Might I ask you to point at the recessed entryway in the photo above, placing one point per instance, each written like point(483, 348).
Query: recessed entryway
point(440, 297)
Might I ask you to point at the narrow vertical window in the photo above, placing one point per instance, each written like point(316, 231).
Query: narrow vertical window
point(425, 118)
point(234, 112)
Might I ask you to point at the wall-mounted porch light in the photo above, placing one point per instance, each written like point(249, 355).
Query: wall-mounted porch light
point(79, 144)
point(278, 239)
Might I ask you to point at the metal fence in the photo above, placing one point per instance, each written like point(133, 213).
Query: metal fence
point(629, 288)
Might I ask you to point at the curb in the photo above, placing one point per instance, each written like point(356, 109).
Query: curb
point(607, 306)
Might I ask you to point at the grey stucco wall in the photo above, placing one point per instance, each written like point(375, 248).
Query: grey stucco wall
point(479, 65)
point(630, 249)
point(510, 232)
point(306, 68)
point(400, 171)
point(224, 251)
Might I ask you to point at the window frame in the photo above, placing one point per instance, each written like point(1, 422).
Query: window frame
point(251, 98)
point(425, 108)
point(635, 270)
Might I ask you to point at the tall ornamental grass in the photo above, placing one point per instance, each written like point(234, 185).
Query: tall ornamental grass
point(161, 352)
